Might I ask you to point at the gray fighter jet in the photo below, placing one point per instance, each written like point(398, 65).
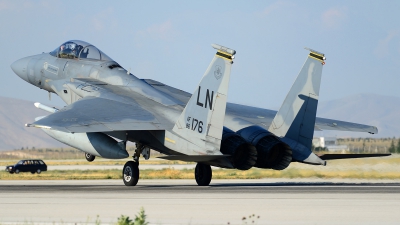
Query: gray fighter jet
point(106, 103)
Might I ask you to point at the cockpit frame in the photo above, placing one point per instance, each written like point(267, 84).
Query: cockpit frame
point(80, 50)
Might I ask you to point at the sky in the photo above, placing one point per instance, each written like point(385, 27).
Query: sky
point(170, 41)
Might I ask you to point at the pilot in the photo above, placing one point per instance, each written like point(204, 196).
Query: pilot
point(73, 49)
point(60, 52)
point(78, 50)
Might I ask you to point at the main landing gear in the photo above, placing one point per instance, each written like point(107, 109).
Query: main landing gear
point(89, 157)
point(130, 172)
point(203, 174)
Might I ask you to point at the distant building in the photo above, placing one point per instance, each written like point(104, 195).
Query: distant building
point(330, 143)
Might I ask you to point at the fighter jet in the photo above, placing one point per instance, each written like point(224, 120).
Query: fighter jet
point(107, 106)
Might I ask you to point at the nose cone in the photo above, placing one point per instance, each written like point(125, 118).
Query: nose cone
point(20, 67)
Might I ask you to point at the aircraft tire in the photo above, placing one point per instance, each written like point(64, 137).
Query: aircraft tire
point(38, 171)
point(89, 157)
point(203, 174)
point(17, 171)
point(130, 173)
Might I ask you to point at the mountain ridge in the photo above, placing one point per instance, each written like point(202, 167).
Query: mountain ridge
point(14, 114)
point(372, 109)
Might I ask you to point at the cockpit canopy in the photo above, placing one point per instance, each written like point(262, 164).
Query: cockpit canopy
point(76, 49)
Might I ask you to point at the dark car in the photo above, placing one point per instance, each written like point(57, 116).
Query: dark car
point(28, 165)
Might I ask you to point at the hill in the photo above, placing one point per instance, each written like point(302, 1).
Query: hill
point(372, 109)
point(14, 114)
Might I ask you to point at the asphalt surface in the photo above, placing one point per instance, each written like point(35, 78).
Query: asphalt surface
point(276, 201)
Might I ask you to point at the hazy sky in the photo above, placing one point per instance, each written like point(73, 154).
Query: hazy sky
point(169, 41)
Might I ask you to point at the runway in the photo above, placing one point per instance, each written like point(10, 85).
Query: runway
point(276, 201)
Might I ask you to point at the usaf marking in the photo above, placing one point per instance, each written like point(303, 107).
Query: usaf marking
point(209, 98)
point(195, 125)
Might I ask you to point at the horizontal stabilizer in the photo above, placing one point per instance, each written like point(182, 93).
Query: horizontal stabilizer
point(193, 158)
point(350, 156)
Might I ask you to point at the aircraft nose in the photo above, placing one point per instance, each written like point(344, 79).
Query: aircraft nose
point(20, 67)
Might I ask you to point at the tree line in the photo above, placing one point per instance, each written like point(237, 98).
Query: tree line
point(393, 147)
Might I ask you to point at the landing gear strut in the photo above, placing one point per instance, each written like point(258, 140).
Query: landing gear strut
point(89, 157)
point(130, 173)
point(203, 174)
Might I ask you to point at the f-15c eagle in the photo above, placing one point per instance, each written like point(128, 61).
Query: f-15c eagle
point(107, 107)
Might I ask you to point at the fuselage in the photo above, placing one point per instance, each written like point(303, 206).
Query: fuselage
point(40, 70)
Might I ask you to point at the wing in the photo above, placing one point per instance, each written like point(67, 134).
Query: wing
point(264, 117)
point(175, 93)
point(94, 114)
point(95, 106)
point(329, 124)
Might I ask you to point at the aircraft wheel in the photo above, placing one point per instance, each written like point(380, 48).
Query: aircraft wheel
point(89, 157)
point(130, 173)
point(203, 174)
point(17, 171)
point(38, 171)
point(11, 172)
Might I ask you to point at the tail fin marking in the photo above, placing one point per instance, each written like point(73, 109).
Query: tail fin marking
point(201, 122)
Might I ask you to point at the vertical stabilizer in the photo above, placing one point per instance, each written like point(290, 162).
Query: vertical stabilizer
point(201, 122)
point(296, 117)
